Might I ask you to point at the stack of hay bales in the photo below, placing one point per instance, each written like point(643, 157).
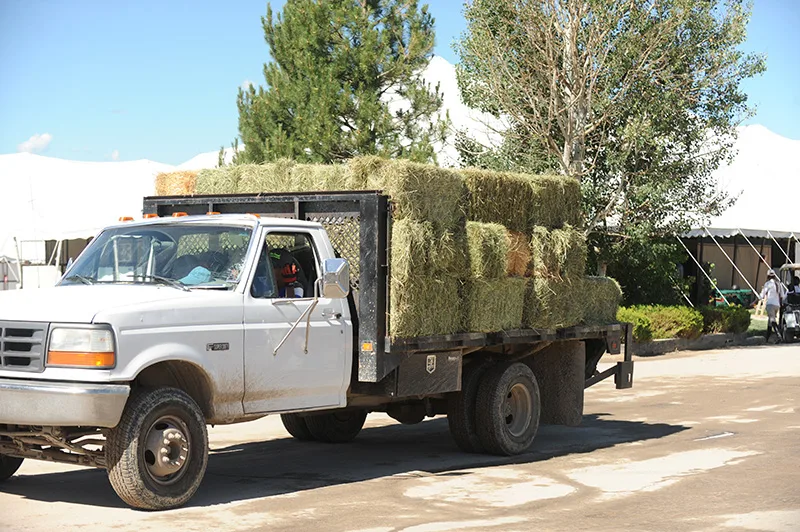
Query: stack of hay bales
point(471, 250)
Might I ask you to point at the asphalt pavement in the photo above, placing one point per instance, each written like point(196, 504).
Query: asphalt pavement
point(704, 441)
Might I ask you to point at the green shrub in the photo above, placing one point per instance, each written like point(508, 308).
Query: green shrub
point(642, 330)
point(665, 322)
point(733, 319)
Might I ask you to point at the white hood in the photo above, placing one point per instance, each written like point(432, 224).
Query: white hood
point(79, 303)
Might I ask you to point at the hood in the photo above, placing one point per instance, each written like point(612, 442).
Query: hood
point(79, 303)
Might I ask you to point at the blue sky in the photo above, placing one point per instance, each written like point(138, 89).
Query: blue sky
point(157, 80)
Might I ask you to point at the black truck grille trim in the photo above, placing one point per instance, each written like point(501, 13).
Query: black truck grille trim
point(22, 346)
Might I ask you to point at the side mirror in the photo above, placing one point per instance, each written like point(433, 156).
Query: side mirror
point(335, 278)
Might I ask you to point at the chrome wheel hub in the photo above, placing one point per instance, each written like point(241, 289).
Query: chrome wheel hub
point(166, 450)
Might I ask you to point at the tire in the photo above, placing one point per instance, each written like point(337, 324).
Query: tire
point(507, 409)
point(461, 409)
point(8, 466)
point(788, 336)
point(336, 427)
point(151, 417)
point(296, 426)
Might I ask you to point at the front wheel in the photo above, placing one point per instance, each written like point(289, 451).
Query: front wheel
point(157, 454)
point(336, 427)
point(507, 409)
point(296, 426)
point(8, 466)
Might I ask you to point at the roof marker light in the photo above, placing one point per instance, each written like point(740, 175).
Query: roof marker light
point(150, 215)
point(125, 219)
point(179, 214)
point(211, 213)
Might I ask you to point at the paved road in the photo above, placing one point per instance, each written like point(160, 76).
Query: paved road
point(704, 441)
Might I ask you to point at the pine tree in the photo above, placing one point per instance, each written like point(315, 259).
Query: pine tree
point(344, 80)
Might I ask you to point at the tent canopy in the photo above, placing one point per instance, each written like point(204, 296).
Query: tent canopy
point(53, 199)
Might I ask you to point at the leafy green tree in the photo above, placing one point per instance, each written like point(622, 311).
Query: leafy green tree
point(344, 80)
point(638, 99)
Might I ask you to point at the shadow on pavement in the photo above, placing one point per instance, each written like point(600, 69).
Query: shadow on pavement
point(284, 466)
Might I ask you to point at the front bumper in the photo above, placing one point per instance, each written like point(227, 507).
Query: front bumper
point(59, 404)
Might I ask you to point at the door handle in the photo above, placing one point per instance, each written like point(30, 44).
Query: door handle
point(329, 313)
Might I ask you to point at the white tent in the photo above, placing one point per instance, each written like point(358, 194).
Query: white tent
point(766, 177)
point(44, 198)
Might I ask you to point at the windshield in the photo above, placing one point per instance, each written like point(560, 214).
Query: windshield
point(181, 255)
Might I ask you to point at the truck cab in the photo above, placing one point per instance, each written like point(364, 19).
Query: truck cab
point(194, 305)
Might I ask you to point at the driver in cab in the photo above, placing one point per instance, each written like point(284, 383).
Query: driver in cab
point(286, 271)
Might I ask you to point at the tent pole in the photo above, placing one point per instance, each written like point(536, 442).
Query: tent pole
point(729, 260)
point(779, 247)
point(19, 262)
point(700, 267)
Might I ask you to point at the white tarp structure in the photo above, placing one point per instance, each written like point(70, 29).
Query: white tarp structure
point(43, 198)
point(766, 176)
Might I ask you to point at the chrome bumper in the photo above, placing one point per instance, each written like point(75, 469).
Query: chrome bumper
point(59, 404)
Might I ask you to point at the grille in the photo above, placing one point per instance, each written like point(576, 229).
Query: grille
point(22, 346)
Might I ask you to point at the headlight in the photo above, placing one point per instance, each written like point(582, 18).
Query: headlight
point(89, 348)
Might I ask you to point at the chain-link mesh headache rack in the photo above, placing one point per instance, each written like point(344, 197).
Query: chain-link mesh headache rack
point(359, 228)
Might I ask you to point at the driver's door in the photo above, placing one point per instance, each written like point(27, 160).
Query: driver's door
point(293, 379)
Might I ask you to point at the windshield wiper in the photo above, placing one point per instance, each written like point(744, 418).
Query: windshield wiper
point(169, 282)
point(80, 278)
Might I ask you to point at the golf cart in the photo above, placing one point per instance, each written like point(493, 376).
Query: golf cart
point(790, 312)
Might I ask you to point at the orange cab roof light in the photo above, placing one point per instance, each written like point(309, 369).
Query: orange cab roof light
point(254, 214)
point(179, 214)
point(211, 213)
point(125, 218)
point(150, 215)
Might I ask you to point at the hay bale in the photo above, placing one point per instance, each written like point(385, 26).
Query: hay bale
point(361, 168)
point(521, 201)
point(553, 304)
point(424, 305)
point(176, 183)
point(418, 249)
point(223, 180)
point(557, 201)
point(499, 197)
point(488, 250)
point(422, 192)
point(495, 305)
point(519, 254)
point(558, 254)
point(601, 296)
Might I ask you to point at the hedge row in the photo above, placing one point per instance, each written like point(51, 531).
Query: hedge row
point(655, 322)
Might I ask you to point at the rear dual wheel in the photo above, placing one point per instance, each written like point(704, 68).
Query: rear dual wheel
point(497, 410)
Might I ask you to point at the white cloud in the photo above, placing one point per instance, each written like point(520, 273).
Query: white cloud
point(246, 84)
point(36, 143)
point(115, 155)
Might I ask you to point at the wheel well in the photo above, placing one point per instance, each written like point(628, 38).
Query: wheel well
point(183, 375)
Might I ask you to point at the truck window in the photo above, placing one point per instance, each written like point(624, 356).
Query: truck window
point(287, 267)
point(192, 255)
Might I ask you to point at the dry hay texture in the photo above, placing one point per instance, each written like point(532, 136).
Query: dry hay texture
point(520, 201)
point(488, 250)
point(601, 298)
point(519, 254)
point(424, 305)
point(553, 304)
point(179, 183)
point(520, 226)
point(418, 249)
point(558, 253)
point(495, 305)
